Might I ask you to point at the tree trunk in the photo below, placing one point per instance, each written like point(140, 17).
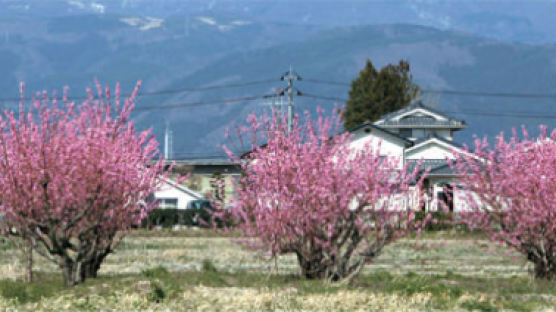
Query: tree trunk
point(71, 272)
point(313, 268)
point(90, 268)
point(545, 271)
point(28, 254)
point(77, 272)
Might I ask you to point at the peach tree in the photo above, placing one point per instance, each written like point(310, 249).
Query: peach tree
point(511, 190)
point(308, 192)
point(74, 178)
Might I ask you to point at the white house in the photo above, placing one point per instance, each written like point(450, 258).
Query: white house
point(420, 133)
point(171, 195)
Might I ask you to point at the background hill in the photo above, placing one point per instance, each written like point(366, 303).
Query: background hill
point(439, 59)
point(178, 45)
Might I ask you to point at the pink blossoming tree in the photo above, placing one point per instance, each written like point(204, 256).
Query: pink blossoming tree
point(74, 178)
point(308, 193)
point(511, 189)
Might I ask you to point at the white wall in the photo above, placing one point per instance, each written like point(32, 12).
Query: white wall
point(168, 191)
point(389, 146)
point(430, 151)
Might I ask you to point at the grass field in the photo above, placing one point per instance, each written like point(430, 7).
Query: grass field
point(197, 270)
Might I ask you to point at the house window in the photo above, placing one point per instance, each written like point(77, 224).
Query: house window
point(405, 133)
point(418, 133)
point(168, 203)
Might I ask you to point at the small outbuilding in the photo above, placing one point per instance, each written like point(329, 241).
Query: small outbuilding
point(172, 195)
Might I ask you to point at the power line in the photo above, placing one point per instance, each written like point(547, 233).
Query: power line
point(193, 89)
point(317, 81)
point(201, 103)
point(328, 82)
point(164, 92)
point(492, 94)
point(321, 97)
point(495, 114)
point(463, 112)
point(455, 92)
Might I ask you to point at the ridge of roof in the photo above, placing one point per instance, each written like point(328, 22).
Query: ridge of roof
point(436, 166)
point(434, 136)
point(182, 188)
point(419, 104)
point(372, 125)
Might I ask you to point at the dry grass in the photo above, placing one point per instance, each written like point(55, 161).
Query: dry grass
point(204, 272)
point(203, 298)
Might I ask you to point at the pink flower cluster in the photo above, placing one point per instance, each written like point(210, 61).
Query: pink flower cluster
point(308, 192)
point(72, 176)
point(511, 188)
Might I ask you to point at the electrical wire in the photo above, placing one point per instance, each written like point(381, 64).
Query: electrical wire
point(202, 103)
point(168, 91)
point(328, 82)
point(492, 94)
point(455, 92)
point(462, 112)
point(509, 114)
point(321, 97)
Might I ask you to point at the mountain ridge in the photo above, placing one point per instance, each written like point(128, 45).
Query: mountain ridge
point(169, 58)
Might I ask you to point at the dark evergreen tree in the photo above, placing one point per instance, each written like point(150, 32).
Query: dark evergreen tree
point(376, 93)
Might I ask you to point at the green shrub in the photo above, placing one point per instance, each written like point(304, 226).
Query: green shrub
point(44, 286)
point(157, 293)
point(5, 244)
point(14, 290)
point(475, 305)
point(208, 266)
point(168, 218)
point(156, 272)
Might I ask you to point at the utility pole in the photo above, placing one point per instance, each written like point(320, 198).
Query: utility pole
point(290, 76)
point(168, 143)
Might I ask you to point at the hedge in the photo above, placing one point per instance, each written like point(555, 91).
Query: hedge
point(168, 218)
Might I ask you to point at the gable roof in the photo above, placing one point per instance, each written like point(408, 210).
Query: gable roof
point(392, 120)
point(439, 167)
point(368, 124)
point(182, 188)
point(433, 138)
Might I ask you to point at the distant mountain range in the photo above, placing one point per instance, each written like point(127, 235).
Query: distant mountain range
point(211, 44)
point(511, 20)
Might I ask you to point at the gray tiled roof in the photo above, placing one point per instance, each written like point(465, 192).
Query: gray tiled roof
point(420, 121)
point(372, 125)
point(439, 138)
point(435, 166)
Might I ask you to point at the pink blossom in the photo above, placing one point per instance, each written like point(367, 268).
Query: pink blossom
point(74, 177)
point(307, 192)
point(511, 188)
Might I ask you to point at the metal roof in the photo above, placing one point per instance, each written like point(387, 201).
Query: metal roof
point(182, 188)
point(434, 136)
point(435, 166)
point(419, 121)
point(372, 125)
